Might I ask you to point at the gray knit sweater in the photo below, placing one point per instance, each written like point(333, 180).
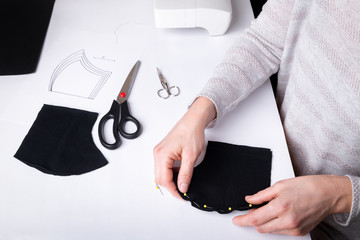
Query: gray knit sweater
point(315, 47)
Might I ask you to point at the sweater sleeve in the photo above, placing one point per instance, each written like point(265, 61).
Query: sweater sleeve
point(252, 59)
point(348, 218)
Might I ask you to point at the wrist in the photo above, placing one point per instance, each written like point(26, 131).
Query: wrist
point(201, 112)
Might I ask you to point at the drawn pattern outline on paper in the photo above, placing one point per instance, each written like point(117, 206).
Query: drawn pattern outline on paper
point(76, 87)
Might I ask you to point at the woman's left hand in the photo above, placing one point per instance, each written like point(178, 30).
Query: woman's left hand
point(295, 206)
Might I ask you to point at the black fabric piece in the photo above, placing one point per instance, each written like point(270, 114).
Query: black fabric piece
point(256, 6)
point(23, 27)
point(60, 142)
point(227, 174)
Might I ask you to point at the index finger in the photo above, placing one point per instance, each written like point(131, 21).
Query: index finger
point(256, 217)
point(164, 174)
point(168, 183)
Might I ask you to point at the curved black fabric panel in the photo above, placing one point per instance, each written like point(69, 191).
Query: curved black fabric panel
point(60, 142)
point(227, 174)
point(23, 27)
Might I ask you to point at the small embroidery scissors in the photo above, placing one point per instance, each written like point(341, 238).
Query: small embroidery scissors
point(166, 91)
point(119, 112)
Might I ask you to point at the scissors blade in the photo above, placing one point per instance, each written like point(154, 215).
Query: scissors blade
point(125, 90)
point(161, 77)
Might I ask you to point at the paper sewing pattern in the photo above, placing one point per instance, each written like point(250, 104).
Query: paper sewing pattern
point(77, 76)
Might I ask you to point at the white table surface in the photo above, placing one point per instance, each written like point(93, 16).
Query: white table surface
point(120, 201)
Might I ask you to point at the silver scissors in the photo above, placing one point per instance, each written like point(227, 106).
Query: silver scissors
point(166, 91)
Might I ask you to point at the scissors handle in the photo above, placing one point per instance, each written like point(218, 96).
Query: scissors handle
point(166, 92)
point(112, 114)
point(126, 117)
point(162, 93)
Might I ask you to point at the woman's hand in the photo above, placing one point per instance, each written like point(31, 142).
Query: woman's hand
point(184, 142)
point(297, 205)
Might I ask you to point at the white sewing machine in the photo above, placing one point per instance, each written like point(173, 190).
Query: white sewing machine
point(213, 15)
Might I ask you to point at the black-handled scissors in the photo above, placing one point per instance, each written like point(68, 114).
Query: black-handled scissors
point(119, 112)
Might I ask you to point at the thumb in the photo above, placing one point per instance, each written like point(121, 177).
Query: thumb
point(185, 174)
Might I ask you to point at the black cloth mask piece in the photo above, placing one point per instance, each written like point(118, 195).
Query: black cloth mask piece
point(23, 27)
point(226, 175)
point(60, 142)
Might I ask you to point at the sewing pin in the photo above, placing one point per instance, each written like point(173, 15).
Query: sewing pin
point(158, 187)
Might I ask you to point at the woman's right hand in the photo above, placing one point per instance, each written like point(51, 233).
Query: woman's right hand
point(185, 143)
